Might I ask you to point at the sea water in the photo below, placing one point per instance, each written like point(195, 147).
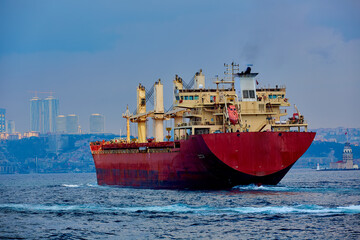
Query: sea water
point(306, 205)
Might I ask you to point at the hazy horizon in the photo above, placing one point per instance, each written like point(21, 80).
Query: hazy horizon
point(92, 55)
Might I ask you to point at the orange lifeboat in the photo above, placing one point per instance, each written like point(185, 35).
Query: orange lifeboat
point(233, 115)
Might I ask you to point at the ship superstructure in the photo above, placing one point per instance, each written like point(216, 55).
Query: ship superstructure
point(258, 109)
point(222, 136)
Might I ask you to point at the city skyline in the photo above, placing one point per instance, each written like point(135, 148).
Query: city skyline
point(96, 56)
point(45, 118)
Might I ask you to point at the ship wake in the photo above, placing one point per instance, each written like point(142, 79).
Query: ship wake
point(180, 209)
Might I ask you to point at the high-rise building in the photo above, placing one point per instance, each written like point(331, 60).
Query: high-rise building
point(50, 111)
point(10, 126)
point(97, 123)
point(72, 123)
point(2, 120)
point(43, 114)
point(67, 124)
point(36, 114)
point(61, 124)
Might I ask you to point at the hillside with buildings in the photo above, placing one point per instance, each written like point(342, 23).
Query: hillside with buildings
point(328, 147)
point(324, 153)
point(49, 153)
point(338, 135)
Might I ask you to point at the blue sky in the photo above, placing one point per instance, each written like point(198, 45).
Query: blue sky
point(93, 54)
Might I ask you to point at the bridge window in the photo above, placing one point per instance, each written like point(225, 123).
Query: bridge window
point(252, 93)
point(201, 131)
point(272, 96)
point(191, 97)
point(245, 93)
point(196, 97)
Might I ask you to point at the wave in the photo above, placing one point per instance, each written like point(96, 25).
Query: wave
point(183, 208)
point(278, 188)
point(95, 185)
point(253, 187)
point(306, 209)
point(80, 185)
point(71, 185)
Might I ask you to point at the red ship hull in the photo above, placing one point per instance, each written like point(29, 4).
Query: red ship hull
point(209, 161)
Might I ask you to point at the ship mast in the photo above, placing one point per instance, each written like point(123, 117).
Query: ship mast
point(230, 69)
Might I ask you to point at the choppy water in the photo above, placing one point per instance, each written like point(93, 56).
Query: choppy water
point(305, 205)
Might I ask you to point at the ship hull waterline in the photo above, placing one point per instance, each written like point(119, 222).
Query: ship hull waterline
point(209, 161)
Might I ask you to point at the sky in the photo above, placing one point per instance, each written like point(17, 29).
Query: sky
point(93, 54)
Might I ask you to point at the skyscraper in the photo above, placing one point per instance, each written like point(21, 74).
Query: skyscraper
point(97, 123)
point(43, 114)
point(10, 126)
point(61, 124)
point(2, 120)
point(72, 123)
point(50, 112)
point(36, 114)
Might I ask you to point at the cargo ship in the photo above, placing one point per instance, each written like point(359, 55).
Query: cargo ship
point(233, 134)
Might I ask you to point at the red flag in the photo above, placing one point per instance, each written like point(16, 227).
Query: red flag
point(257, 83)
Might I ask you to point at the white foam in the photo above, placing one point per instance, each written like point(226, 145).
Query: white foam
point(351, 208)
point(71, 185)
point(169, 208)
point(261, 188)
point(94, 185)
point(180, 208)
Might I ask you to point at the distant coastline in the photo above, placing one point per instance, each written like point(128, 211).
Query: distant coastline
point(63, 153)
point(329, 169)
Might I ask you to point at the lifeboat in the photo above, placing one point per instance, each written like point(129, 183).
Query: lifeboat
point(233, 115)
